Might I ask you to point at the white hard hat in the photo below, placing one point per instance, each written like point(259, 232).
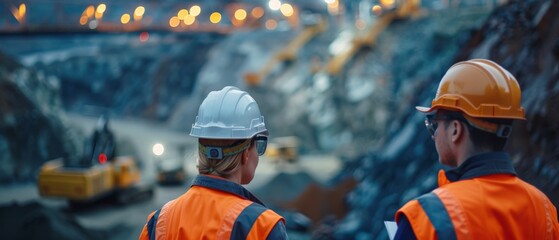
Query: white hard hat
point(228, 114)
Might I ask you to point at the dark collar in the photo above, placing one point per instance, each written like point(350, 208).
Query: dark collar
point(481, 165)
point(225, 186)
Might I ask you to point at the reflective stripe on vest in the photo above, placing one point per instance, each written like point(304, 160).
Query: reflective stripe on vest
point(152, 223)
point(437, 214)
point(245, 220)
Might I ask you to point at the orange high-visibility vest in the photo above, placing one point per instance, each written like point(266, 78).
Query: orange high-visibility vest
point(489, 203)
point(213, 208)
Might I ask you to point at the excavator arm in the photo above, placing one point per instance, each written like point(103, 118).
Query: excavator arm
point(288, 53)
point(406, 9)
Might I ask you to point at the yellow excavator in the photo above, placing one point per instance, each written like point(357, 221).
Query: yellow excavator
point(97, 175)
point(288, 53)
point(119, 178)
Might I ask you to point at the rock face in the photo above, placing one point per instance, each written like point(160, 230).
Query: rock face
point(522, 36)
point(118, 73)
point(31, 128)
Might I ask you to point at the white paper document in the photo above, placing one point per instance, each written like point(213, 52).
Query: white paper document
point(391, 228)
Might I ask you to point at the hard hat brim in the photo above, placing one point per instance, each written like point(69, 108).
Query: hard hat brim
point(424, 109)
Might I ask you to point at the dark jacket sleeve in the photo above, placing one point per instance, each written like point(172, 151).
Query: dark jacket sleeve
point(278, 232)
point(404, 232)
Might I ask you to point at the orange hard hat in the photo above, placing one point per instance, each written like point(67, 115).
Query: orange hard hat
point(478, 88)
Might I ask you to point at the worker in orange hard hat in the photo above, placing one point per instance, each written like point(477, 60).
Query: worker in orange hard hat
point(231, 135)
point(481, 197)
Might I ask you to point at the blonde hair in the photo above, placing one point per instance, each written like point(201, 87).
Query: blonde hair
point(219, 167)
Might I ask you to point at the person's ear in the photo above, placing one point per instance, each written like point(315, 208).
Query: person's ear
point(244, 157)
point(457, 130)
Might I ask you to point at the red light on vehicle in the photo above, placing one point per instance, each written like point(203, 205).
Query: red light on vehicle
point(144, 36)
point(102, 158)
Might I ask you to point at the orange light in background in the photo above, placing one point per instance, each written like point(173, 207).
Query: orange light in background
point(125, 18)
point(387, 3)
point(22, 10)
point(377, 10)
point(271, 24)
point(98, 15)
point(215, 17)
point(240, 14)
point(19, 13)
point(89, 11)
point(144, 37)
point(195, 10)
point(101, 8)
point(83, 20)
point(286, 9)
point(174, 21)
point(182, 14)
point(257, 12)
point(189, 20)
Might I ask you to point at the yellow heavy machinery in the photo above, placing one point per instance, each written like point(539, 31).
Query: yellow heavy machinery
point(95, 175)
point(404, 10)
point(119, 178)
point(288, 53)
point(283, 149)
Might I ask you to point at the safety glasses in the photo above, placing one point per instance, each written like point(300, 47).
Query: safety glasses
point(261, 143)
point(431, 121)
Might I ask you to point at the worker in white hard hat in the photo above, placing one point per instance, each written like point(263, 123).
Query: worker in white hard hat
point(231, 135)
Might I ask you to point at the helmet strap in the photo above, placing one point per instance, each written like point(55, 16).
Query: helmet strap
point(220, 152)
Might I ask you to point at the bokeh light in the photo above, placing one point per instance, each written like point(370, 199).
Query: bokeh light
point(140, 10)
point(387, 3)
point(215, 17)
point(89, 11)
point(274, 4)
point(286, 9)
point(125, 18)
point(174, 21)
point(271, 24)
point(101, 8)
point(377, 10)
point(22, 9)
point(240, 14)
point(257, 12)
point(182, 14)
point(195, 10)
point(158, 149)
point(93, 24)
point(189, 20)
point(83, 20)
point(144, 37)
